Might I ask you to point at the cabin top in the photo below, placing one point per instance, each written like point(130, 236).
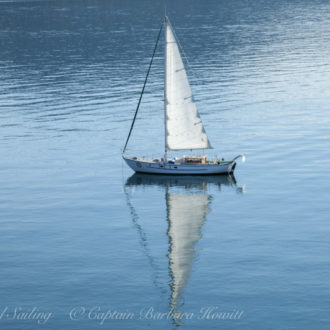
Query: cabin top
point(195, 159)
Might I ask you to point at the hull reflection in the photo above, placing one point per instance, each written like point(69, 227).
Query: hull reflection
point(180, 181)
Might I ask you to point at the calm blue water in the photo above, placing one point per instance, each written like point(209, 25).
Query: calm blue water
point(86, 245)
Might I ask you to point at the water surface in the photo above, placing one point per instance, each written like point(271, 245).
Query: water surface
point(80, 235)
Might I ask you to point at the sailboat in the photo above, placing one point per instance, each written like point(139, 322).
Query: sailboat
point(184, 129)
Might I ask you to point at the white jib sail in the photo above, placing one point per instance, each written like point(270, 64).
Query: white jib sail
point(183, 128)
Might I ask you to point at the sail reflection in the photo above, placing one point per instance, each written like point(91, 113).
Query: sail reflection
point(186, 216)
point(187, 201)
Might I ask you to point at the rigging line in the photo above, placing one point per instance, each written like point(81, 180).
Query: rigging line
point(144, 85)
point(144, 242)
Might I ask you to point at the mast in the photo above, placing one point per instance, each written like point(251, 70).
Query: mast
point(165, 94)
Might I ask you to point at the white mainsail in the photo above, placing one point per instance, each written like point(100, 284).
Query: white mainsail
point(186, 215)
point(183, 126)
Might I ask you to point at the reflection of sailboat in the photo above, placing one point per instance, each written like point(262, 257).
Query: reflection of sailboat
point(187, 202)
